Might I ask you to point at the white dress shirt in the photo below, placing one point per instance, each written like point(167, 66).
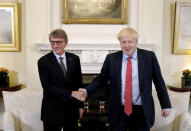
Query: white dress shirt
point(63, 56)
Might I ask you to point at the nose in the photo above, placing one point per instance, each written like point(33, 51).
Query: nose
point(54, 45)
point(127, 45)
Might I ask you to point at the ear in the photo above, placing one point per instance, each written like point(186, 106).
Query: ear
point(136, 42)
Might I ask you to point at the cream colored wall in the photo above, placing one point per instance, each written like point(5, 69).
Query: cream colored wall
point(153, 25)
point(15, 62)
point(173, 65)
point(153, 21)
point(36, 30)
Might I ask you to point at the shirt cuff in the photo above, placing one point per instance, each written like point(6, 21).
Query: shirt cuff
point(168, 109)
point(85, 91)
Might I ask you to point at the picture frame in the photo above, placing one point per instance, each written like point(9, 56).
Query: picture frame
point(10, 30)
point(95, 11)
point(182, 29)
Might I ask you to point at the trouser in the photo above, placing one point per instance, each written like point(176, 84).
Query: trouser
point(67, 126)
point(134, 122)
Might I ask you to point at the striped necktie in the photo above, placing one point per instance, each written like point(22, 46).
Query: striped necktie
point(62, 66)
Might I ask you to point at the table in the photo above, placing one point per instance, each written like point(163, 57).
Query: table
point(176, 89)
point(13, 88)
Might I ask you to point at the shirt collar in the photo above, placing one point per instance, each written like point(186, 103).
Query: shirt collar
point(134, 55)
point(57, 56)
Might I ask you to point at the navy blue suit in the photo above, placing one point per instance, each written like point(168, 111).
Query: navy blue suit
point(57, 105)
point(148, 69)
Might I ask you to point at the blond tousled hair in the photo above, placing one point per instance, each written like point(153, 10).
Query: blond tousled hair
point(129, 31)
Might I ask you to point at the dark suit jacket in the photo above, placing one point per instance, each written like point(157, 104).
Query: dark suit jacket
point(148, 69)
point(57, 103)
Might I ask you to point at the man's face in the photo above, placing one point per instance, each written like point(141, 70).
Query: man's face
point(128, 44)
point(58, 45)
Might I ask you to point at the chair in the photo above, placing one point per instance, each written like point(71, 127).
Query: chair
point(22, 110)
point(179, 119)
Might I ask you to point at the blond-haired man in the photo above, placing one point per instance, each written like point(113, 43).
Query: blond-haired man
point(131, 72)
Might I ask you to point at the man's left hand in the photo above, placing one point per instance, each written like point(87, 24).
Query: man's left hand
point(165, 112)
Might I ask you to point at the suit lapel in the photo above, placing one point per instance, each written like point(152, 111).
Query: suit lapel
point(140, 55)
point(118, 67)
point(69, 65)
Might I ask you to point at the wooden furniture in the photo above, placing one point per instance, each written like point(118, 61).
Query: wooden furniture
point(176, 89)
point(13, 88)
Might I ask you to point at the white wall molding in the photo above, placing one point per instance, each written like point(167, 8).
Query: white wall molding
point(42, 47)
point(91, 56)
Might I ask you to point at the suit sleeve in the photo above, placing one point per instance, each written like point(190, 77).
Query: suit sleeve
point(48, 87)
point(101, 79)
point(79, 80)
point(160, 84)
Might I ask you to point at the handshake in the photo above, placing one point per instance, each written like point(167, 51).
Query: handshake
point(80, 95)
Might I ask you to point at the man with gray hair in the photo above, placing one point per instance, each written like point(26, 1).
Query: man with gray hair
point(60, 75)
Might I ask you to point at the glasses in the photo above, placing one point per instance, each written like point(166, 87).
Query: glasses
point(56, 42)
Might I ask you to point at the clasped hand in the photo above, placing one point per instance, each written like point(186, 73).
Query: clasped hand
point(80, 95)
